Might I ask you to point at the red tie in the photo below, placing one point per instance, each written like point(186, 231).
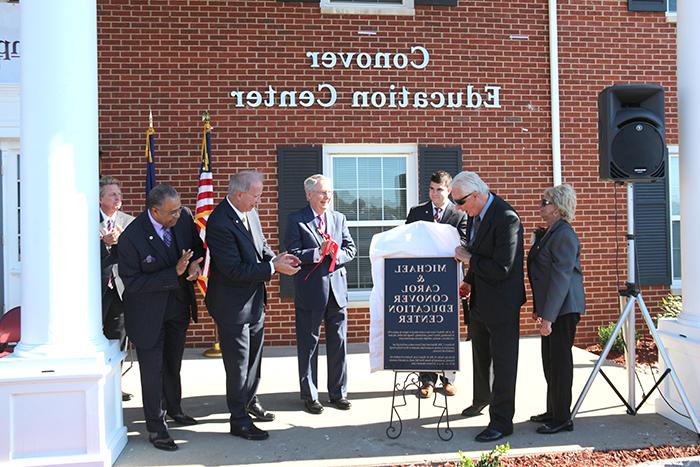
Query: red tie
point(109, 225)
point(436, 217)
point(321, 224)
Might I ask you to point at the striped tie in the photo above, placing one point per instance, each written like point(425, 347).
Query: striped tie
point(167, 237)
point(436, 216)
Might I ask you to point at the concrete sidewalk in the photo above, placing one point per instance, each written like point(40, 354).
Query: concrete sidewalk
point(358, 437)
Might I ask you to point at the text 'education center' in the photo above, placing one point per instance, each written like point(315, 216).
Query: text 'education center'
point(378, 95)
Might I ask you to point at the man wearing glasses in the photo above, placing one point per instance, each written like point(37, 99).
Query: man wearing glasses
point(493, 262)
point(320, 238)
point(438, 209)
point(159, 256)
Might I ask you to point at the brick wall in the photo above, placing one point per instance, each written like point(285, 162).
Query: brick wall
point(180, 57)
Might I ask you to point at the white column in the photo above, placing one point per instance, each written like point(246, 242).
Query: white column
point(681, 336)
point(60, 390)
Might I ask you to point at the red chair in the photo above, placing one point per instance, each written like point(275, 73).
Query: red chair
point(9, 331)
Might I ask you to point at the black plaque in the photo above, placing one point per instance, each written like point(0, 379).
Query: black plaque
point(421, 314)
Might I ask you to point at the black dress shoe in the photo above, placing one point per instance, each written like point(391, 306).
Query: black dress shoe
point(550, 428)
point(258, 411)
point(183, 419)
point(491, 434)
point(251, 432)
point(313, 407)
point(341, 404)
point(541, 418)
point(126, 396)
point(473, 410)
point(162, 441)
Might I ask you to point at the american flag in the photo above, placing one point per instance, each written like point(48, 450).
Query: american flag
point(150, 164)
point(205, 199)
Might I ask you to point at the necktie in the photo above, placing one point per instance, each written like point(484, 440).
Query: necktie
point(167, 237)
point(475, 227)
point(321, 224)
point(245, 222)
point(436, 216)
point(109, 225)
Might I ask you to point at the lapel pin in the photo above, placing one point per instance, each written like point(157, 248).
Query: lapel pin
point(150, 237)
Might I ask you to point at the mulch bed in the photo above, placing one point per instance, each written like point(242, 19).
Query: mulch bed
point(646, 352)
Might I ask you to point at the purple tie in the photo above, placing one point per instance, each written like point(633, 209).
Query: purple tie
point(167, 237)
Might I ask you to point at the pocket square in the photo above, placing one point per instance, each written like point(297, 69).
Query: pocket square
point(149, 259)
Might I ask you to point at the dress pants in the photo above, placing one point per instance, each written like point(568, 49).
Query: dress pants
point(558, 365)
point(308, 330)
point(242, 348)
point(497, 344)
point(113, 317)
point(160, 367)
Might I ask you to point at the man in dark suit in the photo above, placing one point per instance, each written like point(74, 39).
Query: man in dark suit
point(112, 223)
point(438, 209)
point(159, 256)
point(493, 258)
point(241, 263)
point(320, 238)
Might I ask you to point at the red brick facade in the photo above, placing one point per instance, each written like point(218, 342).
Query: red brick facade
point(180, 57)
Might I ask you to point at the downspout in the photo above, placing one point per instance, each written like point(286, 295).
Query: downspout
point(554, 91)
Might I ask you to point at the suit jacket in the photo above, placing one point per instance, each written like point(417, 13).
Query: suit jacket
point(109, 255)
point(301, 239)
point(239, 267)
point(496, 266)
point(554, 271)
point(149, 276)
point(451, 216)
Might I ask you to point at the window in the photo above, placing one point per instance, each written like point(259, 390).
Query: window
point(373, 186)
point(369, 7)
point(675, 200)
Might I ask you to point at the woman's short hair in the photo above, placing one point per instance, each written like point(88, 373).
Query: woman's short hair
point(470, 182)
point(242, 181)
point(564, 198)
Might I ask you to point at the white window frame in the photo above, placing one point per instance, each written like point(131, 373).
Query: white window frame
point(671, 16)
point(360, 297)
point(360, 8)
point(675, 283)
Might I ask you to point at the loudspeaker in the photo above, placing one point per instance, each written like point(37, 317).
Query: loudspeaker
point(631, 133)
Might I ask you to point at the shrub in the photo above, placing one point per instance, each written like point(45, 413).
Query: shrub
point(604, 334)
point(672, 305)
point(490, 459)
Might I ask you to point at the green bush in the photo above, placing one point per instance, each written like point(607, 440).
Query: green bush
point(672, 305)
point(490, 459)
point(604, 334)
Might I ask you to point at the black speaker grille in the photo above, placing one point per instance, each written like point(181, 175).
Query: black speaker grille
point(638, 151)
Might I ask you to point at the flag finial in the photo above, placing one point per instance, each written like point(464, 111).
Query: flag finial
point(150, 118)
point(205, 117)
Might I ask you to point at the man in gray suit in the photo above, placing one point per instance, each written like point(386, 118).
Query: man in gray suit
point(320, 238)
point(112, 223)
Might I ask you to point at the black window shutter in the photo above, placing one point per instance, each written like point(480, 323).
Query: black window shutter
point(432, 159)
point(646, 5)
point(436, 2)
point(652, 232)
point(294, 165)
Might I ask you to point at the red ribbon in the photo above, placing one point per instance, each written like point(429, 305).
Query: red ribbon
point(332, 248)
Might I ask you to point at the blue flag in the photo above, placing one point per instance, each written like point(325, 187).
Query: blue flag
point(150, 163)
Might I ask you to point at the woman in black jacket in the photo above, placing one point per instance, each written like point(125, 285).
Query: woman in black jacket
point(554, 271)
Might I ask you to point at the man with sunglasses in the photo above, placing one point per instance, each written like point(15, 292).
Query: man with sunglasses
point(438, 209)
point(493, 260)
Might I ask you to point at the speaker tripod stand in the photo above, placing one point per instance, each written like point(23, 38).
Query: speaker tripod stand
point(634, 297)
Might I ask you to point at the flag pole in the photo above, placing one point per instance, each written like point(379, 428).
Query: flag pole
point(205, 204)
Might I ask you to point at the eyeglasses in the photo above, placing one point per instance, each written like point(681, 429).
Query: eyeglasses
point(328, 193)
point(545, 202)
point(463, 199)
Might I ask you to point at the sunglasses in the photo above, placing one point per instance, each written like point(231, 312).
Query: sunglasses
point(545, 202)
point(463, 199)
